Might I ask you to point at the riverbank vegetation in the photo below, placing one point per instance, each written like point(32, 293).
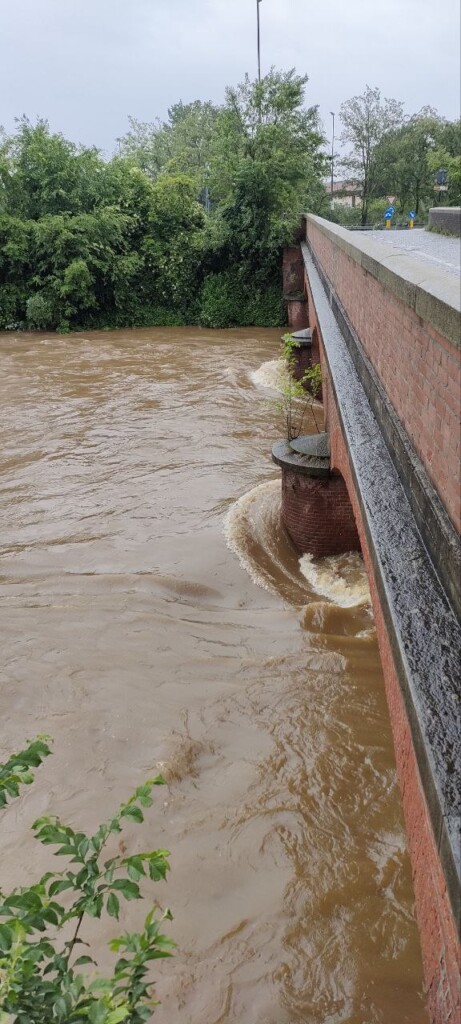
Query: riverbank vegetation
point(186, 223)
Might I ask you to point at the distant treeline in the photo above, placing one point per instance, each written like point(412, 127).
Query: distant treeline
point(184, 225)
point(390, 154)
point(187, 222)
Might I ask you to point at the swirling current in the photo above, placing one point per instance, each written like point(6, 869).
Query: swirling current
point(155, 616)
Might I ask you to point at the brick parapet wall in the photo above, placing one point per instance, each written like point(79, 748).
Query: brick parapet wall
point(418, 365)
point(437, 925)
point(439, 939)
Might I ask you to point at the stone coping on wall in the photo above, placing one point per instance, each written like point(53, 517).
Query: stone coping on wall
point(423, 630)
point(433, 294)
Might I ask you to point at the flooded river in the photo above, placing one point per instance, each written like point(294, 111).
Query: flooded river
point(154, 617)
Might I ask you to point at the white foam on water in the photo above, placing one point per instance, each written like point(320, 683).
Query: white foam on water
point(271, 375)
point(252, 532)
point(241, 528)
point(342, 579)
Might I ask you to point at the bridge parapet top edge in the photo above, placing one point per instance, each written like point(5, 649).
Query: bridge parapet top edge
point(433, 294)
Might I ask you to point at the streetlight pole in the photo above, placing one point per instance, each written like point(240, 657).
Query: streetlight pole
point(259, 39)
point(332, 157)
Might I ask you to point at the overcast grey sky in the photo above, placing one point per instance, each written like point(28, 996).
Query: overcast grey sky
point(87, 64)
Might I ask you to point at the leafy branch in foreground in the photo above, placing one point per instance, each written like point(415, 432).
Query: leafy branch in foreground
point(41, 981)
point(17, 770)
point(297, 395)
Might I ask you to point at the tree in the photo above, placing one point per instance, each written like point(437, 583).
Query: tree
point(266, 167)
point(366, 120)
point(402, 160)
point(173, 242)
point(267, 122)
point(180, 145)
point(447, 155)
point(42, 173)
point(146, 145)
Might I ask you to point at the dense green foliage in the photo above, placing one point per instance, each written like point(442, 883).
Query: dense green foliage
point(390, 154)
point(146, 238)
point(41, 936)
point(187, 222)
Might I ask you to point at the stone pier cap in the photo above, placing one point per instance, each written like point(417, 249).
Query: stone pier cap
point(303, 338)
point(308, 455)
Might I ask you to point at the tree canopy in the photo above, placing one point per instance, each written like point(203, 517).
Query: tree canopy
point(187, 221)
point(366, 120)
point(391, 154)
point(146, 237)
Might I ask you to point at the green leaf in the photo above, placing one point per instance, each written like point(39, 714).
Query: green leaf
point(135, 867)
point(113, 905)
point(61, 1008)
point(84, 847)
point(6, 938)
point(50, 915)
point(84, 960)
point(115, 1016)
point(133, 813)
point(98, 1013)
point(158, 868)
point(93, 907)
point(128, 889)
point(57, 887)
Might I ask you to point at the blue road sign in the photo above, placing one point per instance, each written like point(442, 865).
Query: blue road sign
point(389, 213)
point(411, 215)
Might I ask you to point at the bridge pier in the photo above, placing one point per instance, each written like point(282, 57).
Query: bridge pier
point(293, 289)
point(316, 509)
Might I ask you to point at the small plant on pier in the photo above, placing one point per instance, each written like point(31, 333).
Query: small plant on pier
point(41, 939)
point(298, 395)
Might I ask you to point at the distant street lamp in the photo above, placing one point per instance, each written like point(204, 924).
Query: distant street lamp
point(259, 39)
point(332, 157)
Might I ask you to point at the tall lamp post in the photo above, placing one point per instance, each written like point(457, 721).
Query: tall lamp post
point(332, 157)
point(259, 39)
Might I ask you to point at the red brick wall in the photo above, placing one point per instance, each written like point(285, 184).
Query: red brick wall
point(317, 514)
point(302, 360)
point(420, 369)
point(293, 272)
point(439, 939)
point(298, 314)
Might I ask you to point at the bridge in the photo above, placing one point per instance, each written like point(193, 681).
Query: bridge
point(385, 326)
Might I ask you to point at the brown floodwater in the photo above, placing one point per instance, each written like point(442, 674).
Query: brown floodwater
point(154, 616)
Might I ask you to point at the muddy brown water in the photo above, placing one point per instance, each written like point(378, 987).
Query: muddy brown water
point(154, 616)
